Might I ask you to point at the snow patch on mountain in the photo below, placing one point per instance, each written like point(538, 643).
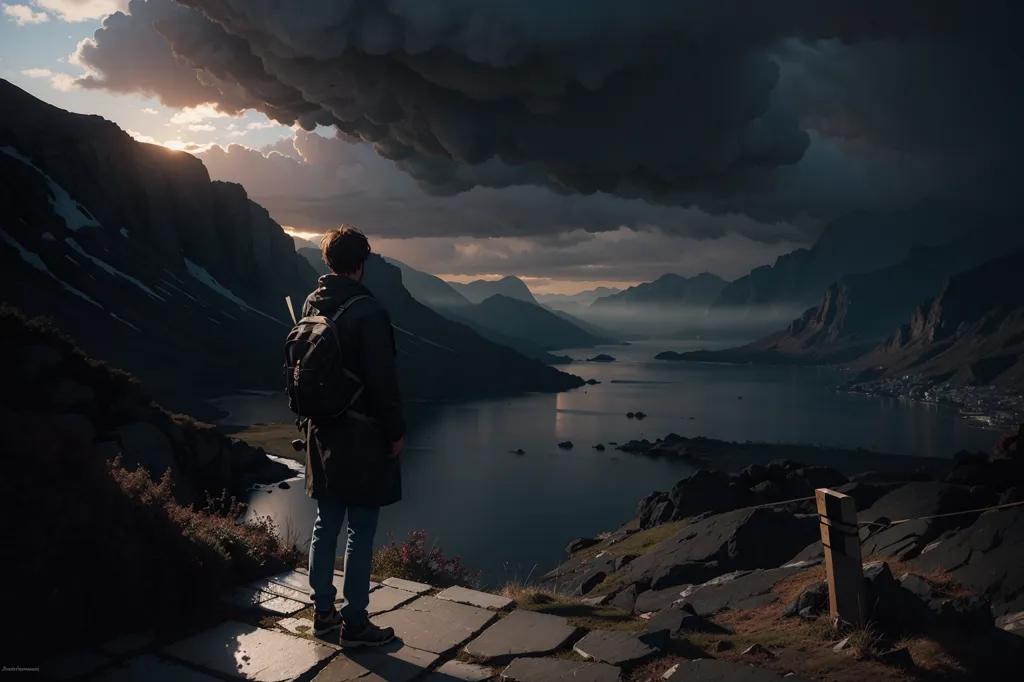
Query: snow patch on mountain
point(74, 214)
point(204, 277)
point(35, 261)
point(109, 269)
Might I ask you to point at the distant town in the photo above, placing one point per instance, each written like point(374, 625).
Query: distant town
point(991, 406)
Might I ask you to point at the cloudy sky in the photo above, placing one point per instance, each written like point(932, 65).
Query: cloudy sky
point(575, 142)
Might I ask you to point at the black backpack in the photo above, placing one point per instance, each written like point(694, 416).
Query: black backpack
point(316, 380)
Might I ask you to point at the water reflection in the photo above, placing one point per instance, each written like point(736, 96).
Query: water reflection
point(463, 485)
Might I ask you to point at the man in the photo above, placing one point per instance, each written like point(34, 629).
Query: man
point(352, 461)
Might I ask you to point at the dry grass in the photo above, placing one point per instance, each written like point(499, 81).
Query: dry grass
point(576, 612)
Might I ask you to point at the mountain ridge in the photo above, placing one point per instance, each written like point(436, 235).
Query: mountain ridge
point(143, 260)
point(668, 291)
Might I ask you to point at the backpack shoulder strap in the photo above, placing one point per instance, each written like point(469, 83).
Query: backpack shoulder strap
point(346, 305)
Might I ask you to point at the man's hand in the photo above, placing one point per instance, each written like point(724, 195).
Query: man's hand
point(397, 447)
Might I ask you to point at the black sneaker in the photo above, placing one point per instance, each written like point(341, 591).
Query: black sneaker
point(366, 634)
point(324, 623)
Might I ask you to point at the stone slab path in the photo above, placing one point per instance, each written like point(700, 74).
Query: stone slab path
point(450, 635)
point(616, 648)
point(521, 633)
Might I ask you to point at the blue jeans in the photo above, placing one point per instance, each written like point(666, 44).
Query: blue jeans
point(362, 525)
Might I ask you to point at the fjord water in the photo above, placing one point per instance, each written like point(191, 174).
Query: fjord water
point(506, 514)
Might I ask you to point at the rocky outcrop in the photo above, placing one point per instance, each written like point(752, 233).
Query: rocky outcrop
point(986, 557)
point(108, 413)
point(971, 333)
point(714, 492)
point(738, 540)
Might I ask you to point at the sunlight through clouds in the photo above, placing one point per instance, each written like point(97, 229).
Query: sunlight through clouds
point(197, 114)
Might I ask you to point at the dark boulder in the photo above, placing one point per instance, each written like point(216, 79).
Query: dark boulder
point(778, 469)
point(626, 599)
point(566, 445)
point(754, 474)
point(599, 447)
point(912, 501)
point(589, 582)
point(803, 482)
point(580, 544)
point(654, 510)
point(707, 491)
point(811, 603)
point(986, 557)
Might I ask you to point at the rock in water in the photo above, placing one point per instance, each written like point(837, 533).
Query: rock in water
point(566, 445)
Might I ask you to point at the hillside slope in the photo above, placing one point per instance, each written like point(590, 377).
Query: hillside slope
point(148, 264)
point(444, 359)
point(139, 256)
point(428, 289)
point(531, 322)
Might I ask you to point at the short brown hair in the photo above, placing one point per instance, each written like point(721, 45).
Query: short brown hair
point(345, 249)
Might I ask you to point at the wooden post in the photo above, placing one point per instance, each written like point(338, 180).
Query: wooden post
point(840, 536)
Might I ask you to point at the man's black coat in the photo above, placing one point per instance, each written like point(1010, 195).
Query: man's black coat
point(347, 458)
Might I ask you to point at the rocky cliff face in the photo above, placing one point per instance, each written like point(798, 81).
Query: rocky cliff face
point(857, 312)
point(139, 256)
point(971, 333)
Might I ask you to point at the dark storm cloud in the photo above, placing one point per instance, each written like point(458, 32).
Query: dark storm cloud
point(676, 102)
point(314, 183)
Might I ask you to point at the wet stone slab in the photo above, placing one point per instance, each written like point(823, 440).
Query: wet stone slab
point(558, 670)
point(250, 653)
point(408, 585)
point(153, 669)
point(249, 598)
point(616, 648)
point(434, 625)
point(296, 626)
point(74, 664)
point(386, 598)
point(474, 598)
point(396, 662)
point(521, 633)
point(458, 671)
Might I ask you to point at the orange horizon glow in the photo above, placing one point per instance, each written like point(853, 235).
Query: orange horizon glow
point(537, 285)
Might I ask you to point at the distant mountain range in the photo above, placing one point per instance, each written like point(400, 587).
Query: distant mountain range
point(575, 303)
point(151, 266)
point(482, 289)
point(529, 321)
point(860, 242)
point(858, 312)
point(667, 292)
